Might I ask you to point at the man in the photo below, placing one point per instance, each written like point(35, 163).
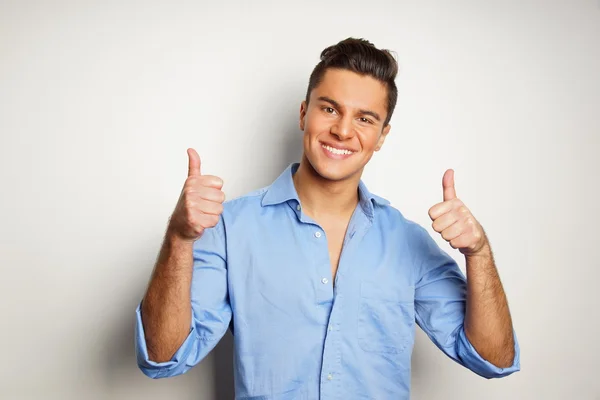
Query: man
point(320, 281)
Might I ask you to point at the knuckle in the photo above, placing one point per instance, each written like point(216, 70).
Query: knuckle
point(214, 220)
point(190, 183)
point(186, 192)
point(188, 204)
point(212, 181)
point(202, 181)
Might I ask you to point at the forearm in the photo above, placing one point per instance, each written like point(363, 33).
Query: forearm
point(488, 324)
point(166, 307)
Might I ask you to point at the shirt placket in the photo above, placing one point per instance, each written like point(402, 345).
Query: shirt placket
point(331, 368)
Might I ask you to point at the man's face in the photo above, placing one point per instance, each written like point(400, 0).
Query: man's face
point(343, 123)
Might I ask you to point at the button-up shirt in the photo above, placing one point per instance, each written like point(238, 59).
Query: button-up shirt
point(264, 272)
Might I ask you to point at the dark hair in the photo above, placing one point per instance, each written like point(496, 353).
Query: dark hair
point(362, 57)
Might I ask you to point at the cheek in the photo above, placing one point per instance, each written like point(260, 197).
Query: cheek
point(368, 140)
point(316, 123)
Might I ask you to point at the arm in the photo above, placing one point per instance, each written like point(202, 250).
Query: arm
point(485, 340)
point(488, 324)
point(185, 310)
point(208, 318)
point(166, 308)
point(441, 297)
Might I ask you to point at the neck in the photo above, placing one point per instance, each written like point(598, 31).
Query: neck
point(323, 197)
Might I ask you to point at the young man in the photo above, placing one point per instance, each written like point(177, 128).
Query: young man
point(320, 281)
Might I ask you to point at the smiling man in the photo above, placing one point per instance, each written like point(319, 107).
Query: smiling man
point(321, 281)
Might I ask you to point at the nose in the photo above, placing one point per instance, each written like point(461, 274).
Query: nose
point(342, 128)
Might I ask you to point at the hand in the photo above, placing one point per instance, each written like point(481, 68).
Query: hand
point(455, 222)
point(200, 203)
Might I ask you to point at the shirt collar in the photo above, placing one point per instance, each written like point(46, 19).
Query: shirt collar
point(283, 189)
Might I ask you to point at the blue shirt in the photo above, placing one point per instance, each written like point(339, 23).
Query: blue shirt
point(264, 272)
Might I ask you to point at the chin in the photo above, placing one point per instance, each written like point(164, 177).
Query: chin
point(334, 170)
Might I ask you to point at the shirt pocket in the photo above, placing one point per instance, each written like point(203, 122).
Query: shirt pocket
point(386, 317)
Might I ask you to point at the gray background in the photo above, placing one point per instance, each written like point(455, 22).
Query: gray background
point(99, 101)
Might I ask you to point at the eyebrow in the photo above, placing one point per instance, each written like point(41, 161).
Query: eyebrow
point(337, 105)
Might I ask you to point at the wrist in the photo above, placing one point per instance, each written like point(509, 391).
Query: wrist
point(485, 252)
point(175, 238)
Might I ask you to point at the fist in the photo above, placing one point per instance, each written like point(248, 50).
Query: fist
point(453, 220)
point(200, 203)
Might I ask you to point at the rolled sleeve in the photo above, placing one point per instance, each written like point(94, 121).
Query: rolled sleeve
point(471, 359)
point(440, 307)
point(153, 369)
point(211, 311)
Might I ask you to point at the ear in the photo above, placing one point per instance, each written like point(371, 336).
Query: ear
point(303, 108)
point(384, 133)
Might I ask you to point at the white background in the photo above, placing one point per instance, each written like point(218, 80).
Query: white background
point(100, 100)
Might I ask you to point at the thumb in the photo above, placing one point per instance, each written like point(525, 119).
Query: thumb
point(448, 185)
point(194, 163)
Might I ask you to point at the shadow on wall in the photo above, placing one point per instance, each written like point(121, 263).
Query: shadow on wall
point(270, 143)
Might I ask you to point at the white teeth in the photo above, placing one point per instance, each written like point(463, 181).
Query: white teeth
point(336, 151)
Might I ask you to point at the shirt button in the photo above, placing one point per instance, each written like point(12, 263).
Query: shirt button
point(317, 234)
point(329, 377)
point(330, 328)
point(324, 281)
point(298, 207)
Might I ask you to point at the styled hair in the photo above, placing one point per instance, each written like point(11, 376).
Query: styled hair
point(362, 57)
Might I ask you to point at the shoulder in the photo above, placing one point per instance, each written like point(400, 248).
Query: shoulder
point(393, 221)
point(392, 216)
point(388, 216)
point(242, 202)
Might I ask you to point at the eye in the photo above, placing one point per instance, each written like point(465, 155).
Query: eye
point(328, 110)
point(366, 120)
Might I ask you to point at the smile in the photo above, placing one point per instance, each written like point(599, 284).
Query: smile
point(336, 151)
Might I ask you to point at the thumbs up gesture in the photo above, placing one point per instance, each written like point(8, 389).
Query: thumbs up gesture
point(200, 203)
point(455, 222)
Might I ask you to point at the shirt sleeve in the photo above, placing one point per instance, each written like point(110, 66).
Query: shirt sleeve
point(440, 306)
point(211, 311)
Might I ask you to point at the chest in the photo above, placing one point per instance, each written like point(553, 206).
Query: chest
point(285, 273)
point(335, 235)
point(285, 257)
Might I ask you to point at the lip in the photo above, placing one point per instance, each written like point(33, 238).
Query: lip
point(338, 147)
point(333, 155)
